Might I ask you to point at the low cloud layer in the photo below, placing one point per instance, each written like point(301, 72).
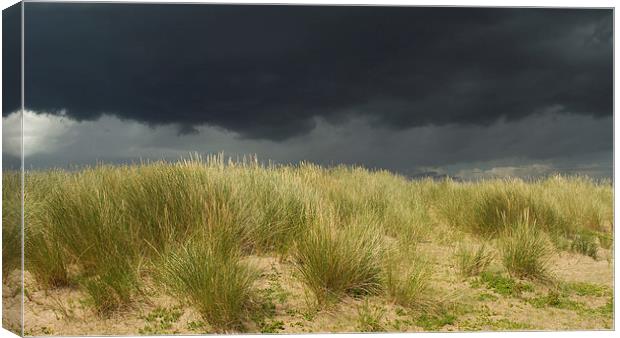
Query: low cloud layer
point(571, 144)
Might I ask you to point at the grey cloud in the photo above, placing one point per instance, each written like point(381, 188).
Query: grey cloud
point(562, 142)
point(269, 72)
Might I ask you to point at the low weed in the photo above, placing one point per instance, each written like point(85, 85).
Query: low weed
point(196, 326)
point(160, 320)
point(486, 297)
point(557, 300)
point(435, 322)
point(271, 326)
point(486, 323)
point(585, 289)
point(503, 285)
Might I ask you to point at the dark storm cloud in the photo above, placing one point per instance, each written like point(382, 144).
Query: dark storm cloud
point(266, 71)
point(11, 59)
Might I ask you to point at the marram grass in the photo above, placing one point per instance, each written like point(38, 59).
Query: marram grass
point(210, 275)
point(106, 229)
point(336, 261)
point(526, 249)
point(472, 261)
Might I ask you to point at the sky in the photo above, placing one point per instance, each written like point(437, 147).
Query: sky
point(421, 91)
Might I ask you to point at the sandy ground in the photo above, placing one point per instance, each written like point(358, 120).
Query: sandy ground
point(475, 307)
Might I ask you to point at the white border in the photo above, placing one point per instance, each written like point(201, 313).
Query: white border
point(476, 3)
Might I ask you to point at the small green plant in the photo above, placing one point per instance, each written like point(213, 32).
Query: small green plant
point(275, 291)
point(586, 289)
point(264, 309)
point(435, 322)
point(507, 325)
point(401, 324)
point(503, 285)
point(486, 297)
point(526, 250)
point(486, 323)
point(271, 326)
point(370, 318)
point(309, 314)
point(608, 308)
point(198, 326)
point(558, 300)
point(472, 262)
point(160, 320)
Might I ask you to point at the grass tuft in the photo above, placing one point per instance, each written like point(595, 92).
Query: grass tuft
point(210, 275)
point(407, 280)
point(526, 250)
point(113, 288)
point(472, 262)
point(333, 262)
point(46, 261)
point(11, 222)
point(586, 244)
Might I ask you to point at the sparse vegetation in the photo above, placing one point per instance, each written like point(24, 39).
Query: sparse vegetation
point(586, 289)
point(487, 297)
point(557, 300)
point(370, 318)
point(192, 230)
point(408, 283)
point(503, 285)
point(160, 321)
point(436, 321)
